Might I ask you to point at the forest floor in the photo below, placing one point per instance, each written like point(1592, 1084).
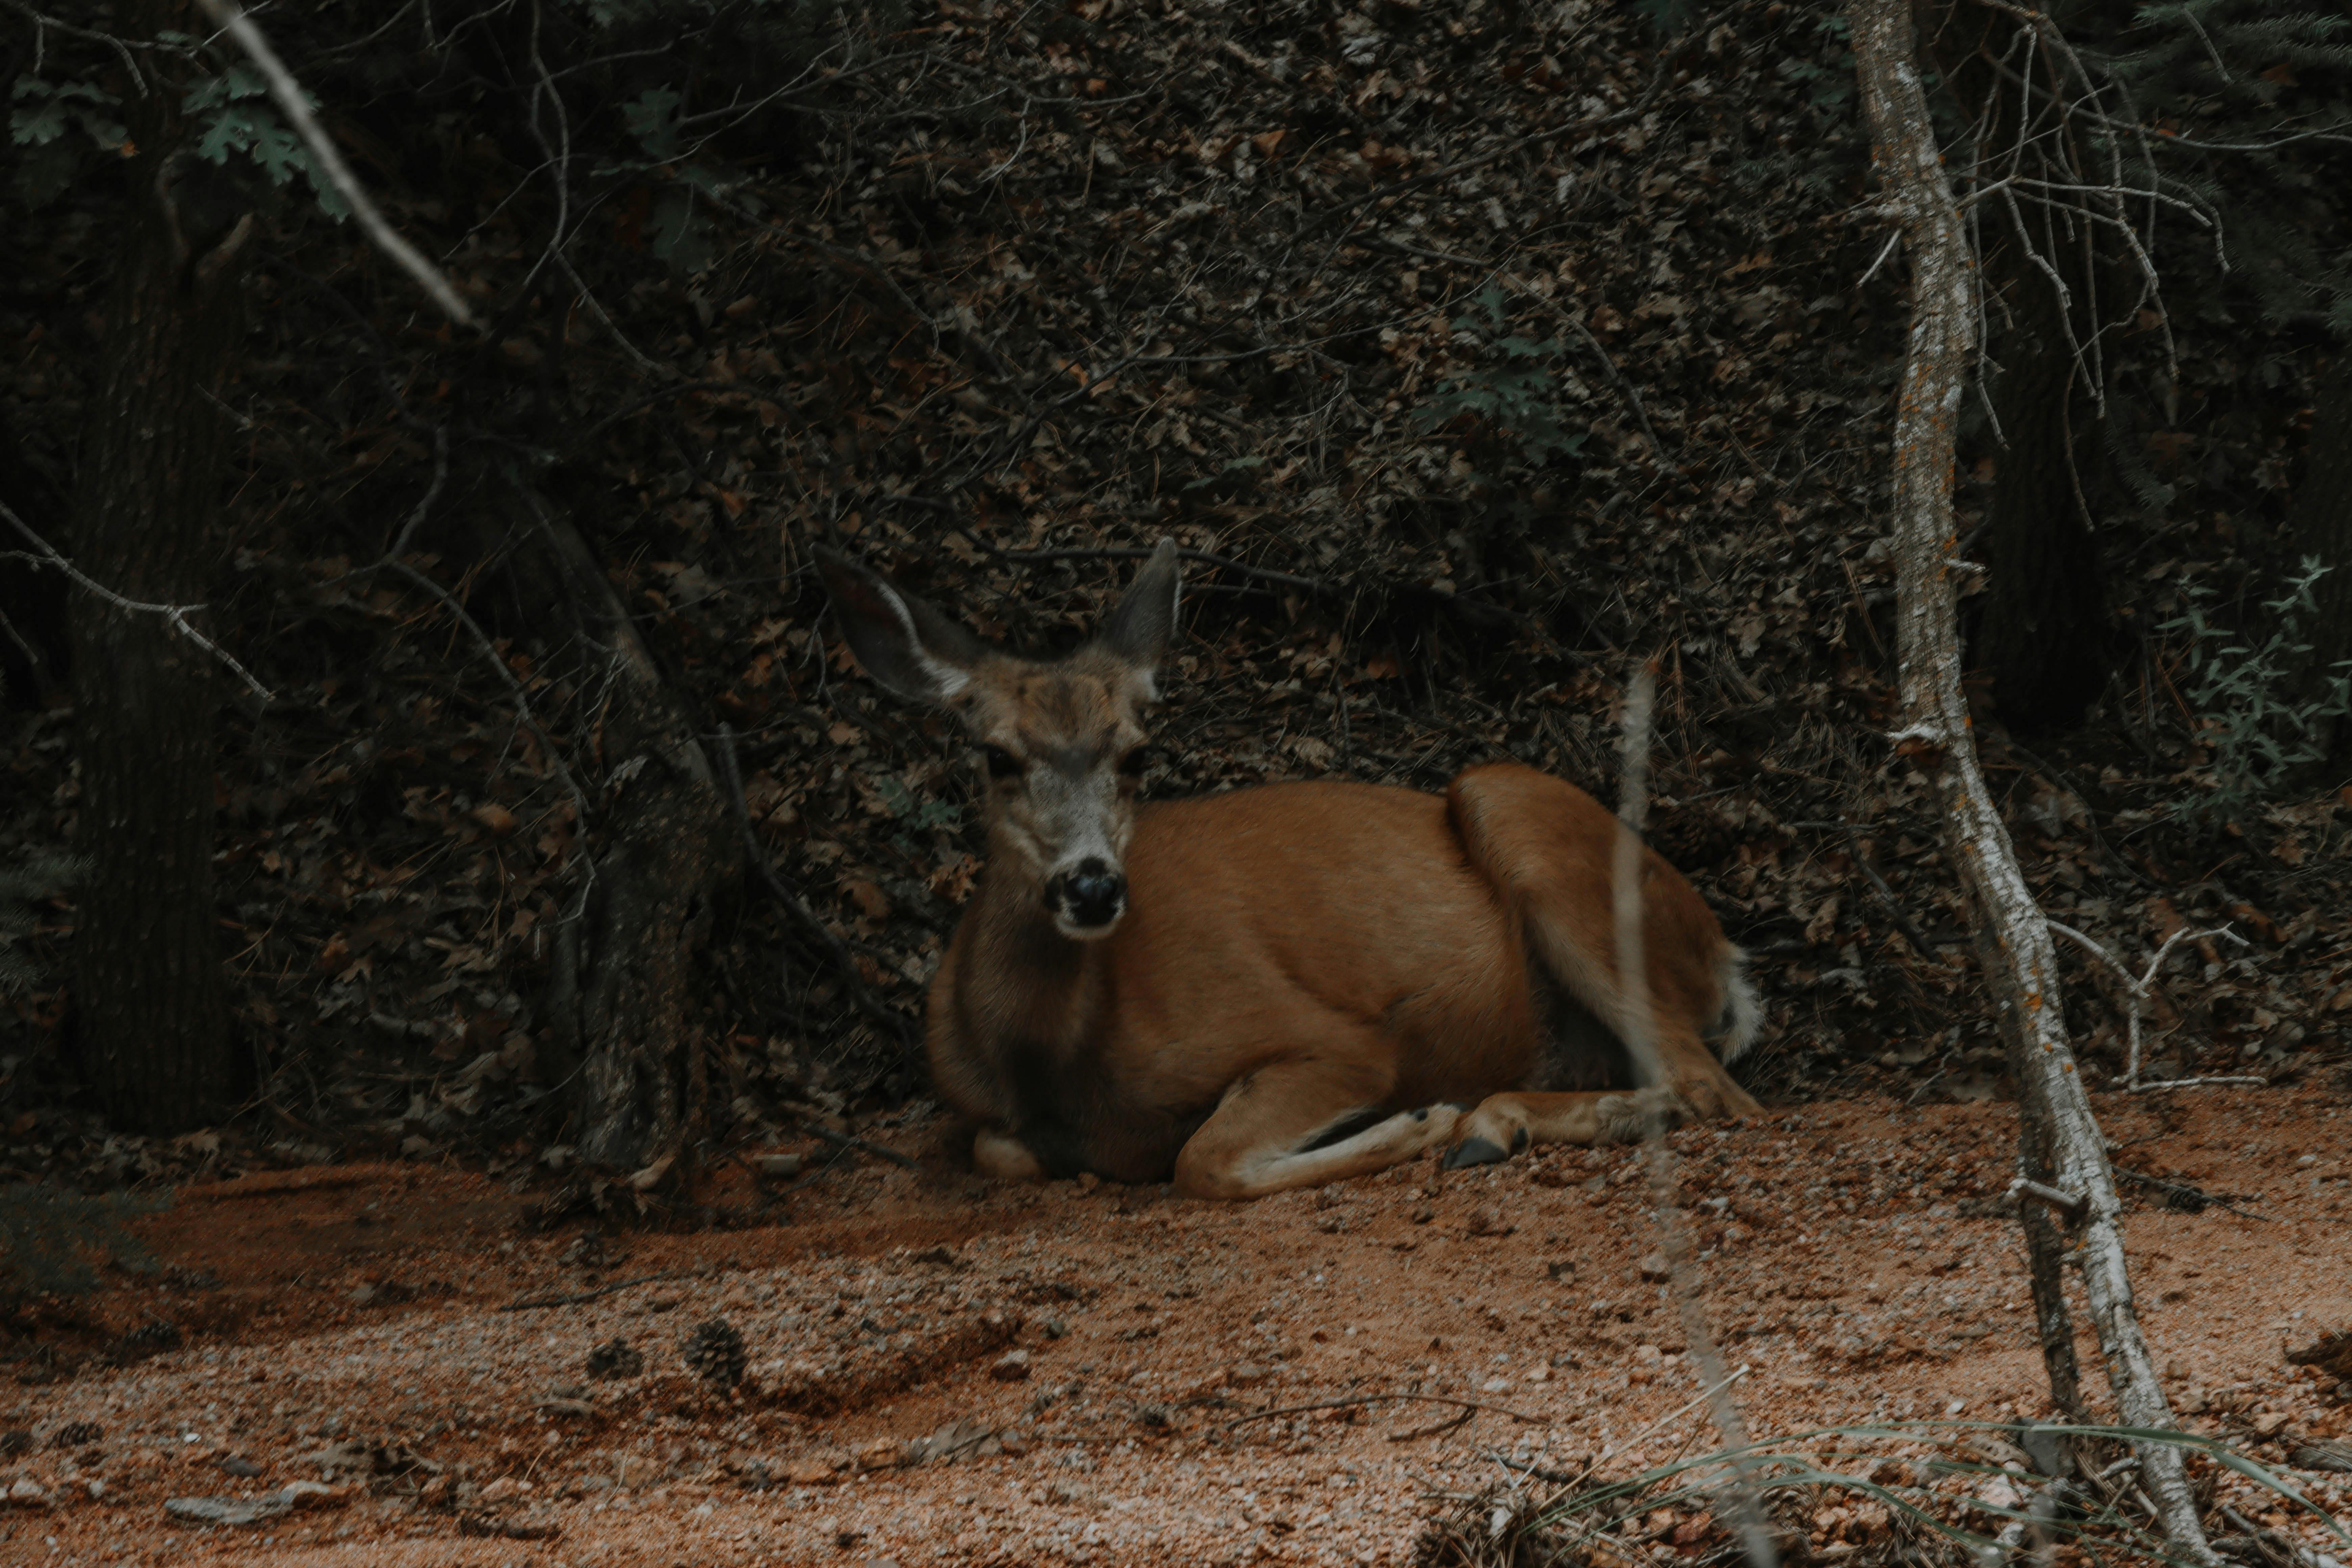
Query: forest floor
point(944, 1370)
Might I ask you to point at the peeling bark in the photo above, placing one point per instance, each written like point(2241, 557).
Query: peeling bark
point(2014, 939)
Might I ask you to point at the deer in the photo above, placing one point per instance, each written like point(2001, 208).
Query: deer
point(1283, 985)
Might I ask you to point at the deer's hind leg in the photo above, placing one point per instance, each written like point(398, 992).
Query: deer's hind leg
point(1305, 1121)
point(1503, 1124)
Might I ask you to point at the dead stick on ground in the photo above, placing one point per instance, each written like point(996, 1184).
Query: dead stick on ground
point(574, 1298)
point(1470, 1406)
point(2014, 942)
point(844, 1140)
point(1641, 1041)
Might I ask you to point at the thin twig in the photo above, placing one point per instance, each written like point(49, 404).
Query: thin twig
point(535, 1303)
point(846, 1140)
point(2139, 989)
point(295, 104)
point(1910, 928)
point(1471, 1405)
point(1637, 1028)
point(174, 616)
point(845, 963)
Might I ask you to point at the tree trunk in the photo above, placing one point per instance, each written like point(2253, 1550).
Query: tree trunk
point(2059, 1132)
point(2321, 524)
point(149, 999)
point(2043, 637)
point(622, 988)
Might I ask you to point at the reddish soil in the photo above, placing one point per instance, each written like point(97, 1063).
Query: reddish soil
point(357, 1315)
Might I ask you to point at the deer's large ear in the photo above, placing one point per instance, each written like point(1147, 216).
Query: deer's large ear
point(1140, 629)
point(911, 648)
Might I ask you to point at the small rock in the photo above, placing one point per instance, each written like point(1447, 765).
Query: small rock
point(1653, 1267)
point(1485, 1221)
point(1013, 1444)
point(436, 1491)
point(2269, 1425)
point(238, 1465)
point(782, 1165)
point(364, 1295)
point(1013, 1366)
point(24, 1493)
point(1421, 1214)
point(882, 1454)
point(501, 1490)
point(1055, 1328)
point(814, 1470)
point(1245, 1375)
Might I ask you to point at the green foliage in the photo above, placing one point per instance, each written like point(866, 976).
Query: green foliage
point(42, 117)
point(1511, 395)
point(43, 876)
point(54, 1239)
point(2239, 690)
point(1828, 85)
point(914, 814)
point(234, 116)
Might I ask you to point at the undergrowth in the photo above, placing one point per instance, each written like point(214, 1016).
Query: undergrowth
point(1926, 1495)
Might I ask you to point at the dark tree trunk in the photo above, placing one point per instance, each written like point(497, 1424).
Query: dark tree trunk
point(622, 990)
point(2042, 634)
point(150, 999)
point(2320, 524)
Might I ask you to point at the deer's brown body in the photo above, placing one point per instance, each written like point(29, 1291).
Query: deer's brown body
point(1283, 985)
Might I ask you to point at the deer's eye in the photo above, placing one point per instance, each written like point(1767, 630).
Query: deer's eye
point(1135, 762)
point(1001, 763)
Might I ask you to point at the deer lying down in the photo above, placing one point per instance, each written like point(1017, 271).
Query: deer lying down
point(1278, 986)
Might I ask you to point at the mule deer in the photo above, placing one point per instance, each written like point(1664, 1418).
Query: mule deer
point(1283, 985)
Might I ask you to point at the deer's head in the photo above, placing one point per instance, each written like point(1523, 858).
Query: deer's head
point(1061, 739)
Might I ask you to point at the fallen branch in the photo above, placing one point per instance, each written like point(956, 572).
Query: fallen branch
point(2059, 1137)
point(574, 1298)
point(844, 1140)
point(1469, 1406)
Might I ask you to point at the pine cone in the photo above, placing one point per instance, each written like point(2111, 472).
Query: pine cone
point(716, 1350)
point(615, 1358)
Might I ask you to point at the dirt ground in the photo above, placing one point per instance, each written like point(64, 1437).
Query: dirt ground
point(1082, 1374)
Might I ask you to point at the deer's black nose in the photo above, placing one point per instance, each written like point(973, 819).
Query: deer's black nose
point(1089, 894)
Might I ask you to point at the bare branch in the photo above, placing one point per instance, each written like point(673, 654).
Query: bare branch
point(174, 616)
point(294, 105)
